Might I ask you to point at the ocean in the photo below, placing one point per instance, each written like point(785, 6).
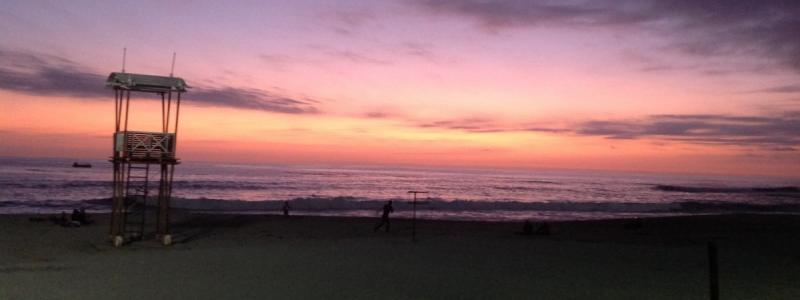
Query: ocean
point(51, 185)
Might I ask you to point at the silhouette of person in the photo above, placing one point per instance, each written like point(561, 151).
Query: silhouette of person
point(63, 221)
point(77, 216)
point(543, 229)
point(527, 228)
point(387, 209)
point(84, 217)
point(286, 208)
point(72, 220)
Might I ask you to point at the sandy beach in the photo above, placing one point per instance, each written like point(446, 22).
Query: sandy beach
point(299, 257)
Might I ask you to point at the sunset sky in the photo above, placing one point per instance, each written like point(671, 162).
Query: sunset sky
point(657, 86)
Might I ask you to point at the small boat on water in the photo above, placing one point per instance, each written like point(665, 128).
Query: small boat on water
point(78, 165)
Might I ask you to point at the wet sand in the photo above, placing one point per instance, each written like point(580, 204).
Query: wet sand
point(273, 257)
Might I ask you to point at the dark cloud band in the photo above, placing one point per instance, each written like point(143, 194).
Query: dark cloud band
point(779, 132)
point(774, 131)
point(762, 28)
point(47, 75)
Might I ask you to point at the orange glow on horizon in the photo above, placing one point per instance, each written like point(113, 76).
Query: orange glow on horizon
point(231, 135)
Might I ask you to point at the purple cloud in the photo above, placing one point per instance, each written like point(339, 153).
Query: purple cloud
point(761, 28)
point(47, 75)
point(780, 131)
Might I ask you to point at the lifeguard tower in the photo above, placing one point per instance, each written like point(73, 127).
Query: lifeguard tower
point(137, 154)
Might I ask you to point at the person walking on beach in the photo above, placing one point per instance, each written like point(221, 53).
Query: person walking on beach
point(285, 208)
point(387, 209)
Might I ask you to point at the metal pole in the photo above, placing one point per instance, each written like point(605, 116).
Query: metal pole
point(165, 193)
point(172, 69)
point(169, 106)
point(161, 193)
point(163, 117)
point(414, 219)
point(177, 115)
point(124, 53)
point(169, 197)
point(115, 161)
point(414, 214)
point(116, 110)
point(127, 109)
point(112, 231)
point(118, 97)
point(713, 275)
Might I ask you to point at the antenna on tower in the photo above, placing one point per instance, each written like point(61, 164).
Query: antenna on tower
point(171, 70)
point(124, 51)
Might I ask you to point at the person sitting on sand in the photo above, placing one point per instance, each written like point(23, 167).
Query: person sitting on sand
point(69, 221)
point(286, 208)
point(387, 209)
point(63, 221)
point(77, 216)
point(634, 224)
point(85, 219)
point(543, 229)
point(527, 228)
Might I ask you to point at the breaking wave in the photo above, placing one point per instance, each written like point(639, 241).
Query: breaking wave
point(729, 190)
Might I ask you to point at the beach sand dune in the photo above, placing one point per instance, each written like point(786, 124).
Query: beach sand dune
point(273, 257)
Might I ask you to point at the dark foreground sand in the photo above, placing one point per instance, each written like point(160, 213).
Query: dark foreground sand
point(272, 257)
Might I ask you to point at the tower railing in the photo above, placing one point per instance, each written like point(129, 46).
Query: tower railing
point(138, 145)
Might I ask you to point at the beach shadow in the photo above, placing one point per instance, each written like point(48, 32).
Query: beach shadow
point(202, 226)
point(18, 269)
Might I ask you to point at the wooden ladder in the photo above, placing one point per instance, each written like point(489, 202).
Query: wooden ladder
point(136, 191)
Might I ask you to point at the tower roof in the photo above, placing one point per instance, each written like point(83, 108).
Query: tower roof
point(146, 83)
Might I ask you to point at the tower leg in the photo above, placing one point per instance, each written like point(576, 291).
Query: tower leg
point(164, 196)
point(118, 205)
